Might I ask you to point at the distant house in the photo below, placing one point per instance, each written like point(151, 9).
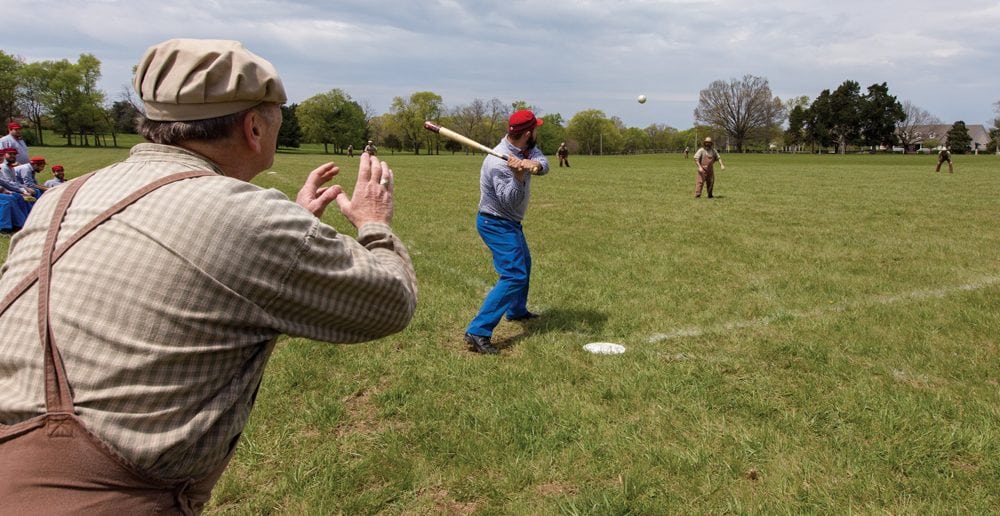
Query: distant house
point(939, 134)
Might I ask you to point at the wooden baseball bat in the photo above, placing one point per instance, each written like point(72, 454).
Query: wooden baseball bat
point(465, 140)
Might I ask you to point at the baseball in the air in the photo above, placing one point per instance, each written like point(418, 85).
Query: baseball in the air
point(642, 99)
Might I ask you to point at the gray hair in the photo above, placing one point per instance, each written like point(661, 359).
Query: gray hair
point(172, 133)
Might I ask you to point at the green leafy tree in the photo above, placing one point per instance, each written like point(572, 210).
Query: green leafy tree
point(795, 135)
point(62, 97)
point(818, 121)
point(662, 137)
point(835, 118)
point(593, 132)
point(519, 105)
point(124, 115)
point(551, 133)
point(32, 92)
point(10, 81)
point(995, 131)
point(92, 119)
point(880, 113)
point(290, 134)
point(331, 118)
point(383, 128)
point(410, 115)
point(634, 140)
point(740, 108)
point(958, 139)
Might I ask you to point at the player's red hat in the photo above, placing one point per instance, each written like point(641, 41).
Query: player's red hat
point(37, 159)
point(13, 125)
point(57, 168)
point(8, 150)
point(523, 120)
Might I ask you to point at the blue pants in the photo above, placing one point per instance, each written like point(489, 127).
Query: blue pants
point(512, 261)
point(13, 211)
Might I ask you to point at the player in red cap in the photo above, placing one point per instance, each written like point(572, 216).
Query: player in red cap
point(26, 174)
point(14, 205)
point(14, 140)
point(60, 177)
point(505, 187)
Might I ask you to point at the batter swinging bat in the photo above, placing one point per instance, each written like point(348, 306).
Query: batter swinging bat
point(464, 140)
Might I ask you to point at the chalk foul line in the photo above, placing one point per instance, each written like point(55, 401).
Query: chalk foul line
point(760, 322)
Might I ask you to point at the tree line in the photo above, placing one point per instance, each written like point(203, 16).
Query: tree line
point(741, 114)
point(63, 96)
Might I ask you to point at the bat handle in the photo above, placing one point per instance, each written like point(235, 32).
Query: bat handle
point(534, 170)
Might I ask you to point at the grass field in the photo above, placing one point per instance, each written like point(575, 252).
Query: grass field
point(824, 337)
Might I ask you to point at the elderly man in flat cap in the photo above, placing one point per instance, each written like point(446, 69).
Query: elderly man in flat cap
point(131, 397)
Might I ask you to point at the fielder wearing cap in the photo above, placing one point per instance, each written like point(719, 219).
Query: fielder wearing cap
point(504, 191)
point(14, 140)
point(169, 310)
point(705, 159)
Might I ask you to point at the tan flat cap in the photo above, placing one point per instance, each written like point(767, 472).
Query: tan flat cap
point(196, 79)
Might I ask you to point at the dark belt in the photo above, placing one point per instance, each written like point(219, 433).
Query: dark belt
point(492, 216)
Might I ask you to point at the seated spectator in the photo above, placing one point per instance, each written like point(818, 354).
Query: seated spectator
point(60, 177)
point(9, 182)
point(14, 205)
point(13, 212)
point(26, 175)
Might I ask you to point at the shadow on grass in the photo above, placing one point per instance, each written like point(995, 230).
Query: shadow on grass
point(557, 320)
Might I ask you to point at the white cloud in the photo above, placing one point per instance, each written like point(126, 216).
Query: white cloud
point(562, 55)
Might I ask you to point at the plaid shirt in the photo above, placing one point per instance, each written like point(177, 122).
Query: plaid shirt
point(166, 314)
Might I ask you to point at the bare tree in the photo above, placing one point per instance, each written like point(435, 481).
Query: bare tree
point(740, 108)
point(496, 120)
point(468, 119)
point(915, 117)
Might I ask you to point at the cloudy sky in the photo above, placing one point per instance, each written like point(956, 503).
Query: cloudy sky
point(562, 56)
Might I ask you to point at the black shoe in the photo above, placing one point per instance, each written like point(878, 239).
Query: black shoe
point(481, 344)
point(526, 317)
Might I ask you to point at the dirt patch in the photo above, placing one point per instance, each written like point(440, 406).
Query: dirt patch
point(555, 489)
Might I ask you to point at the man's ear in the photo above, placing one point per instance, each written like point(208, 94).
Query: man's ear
point(253, 130)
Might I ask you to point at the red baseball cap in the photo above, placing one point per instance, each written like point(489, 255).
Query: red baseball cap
point(57, 168)
point(37, 159)
point(8, 150)
point(523, 120)
point(13, 125)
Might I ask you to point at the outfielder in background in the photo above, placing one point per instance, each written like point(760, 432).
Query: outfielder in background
point(563, 154)
point(505, 188)
point(943, 156)
point(705, 158)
